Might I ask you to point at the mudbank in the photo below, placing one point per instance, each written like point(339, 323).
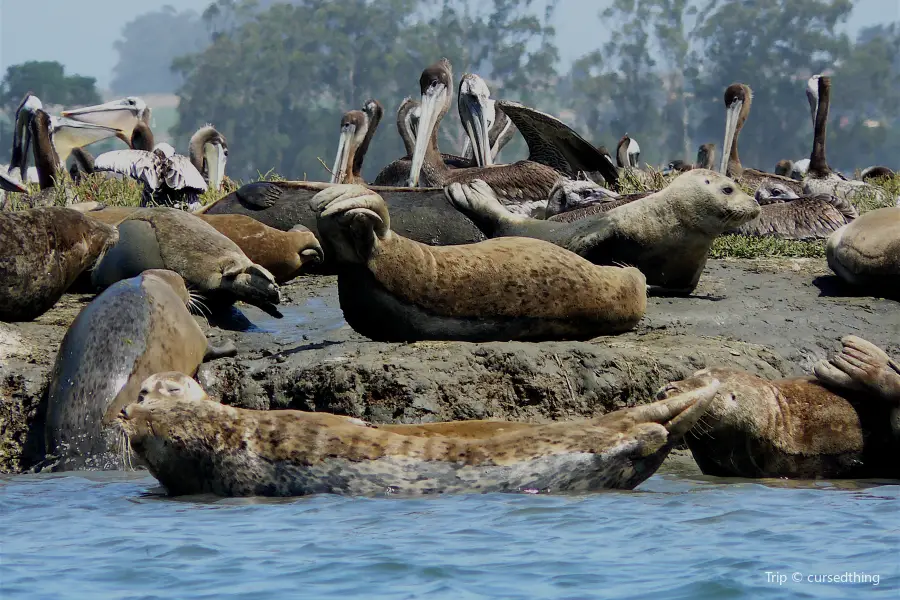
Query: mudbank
point(770, 317)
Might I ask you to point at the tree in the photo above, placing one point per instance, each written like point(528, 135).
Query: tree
point(148, 46)
point(48, 81)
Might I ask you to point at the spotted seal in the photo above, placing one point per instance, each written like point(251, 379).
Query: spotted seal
point(667, 235)
point(42, 253)
point(135, 328)
point(395, 289)
point(867, 251)
point(210, 263)
point(194, 445)
point(842, 423)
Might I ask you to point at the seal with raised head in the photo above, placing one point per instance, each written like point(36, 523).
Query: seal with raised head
point(667, 235)
point(193, 445)
point(842, 423)
point(209, 262)
point(867, 251)
point(135, 328)
point(42, 253)
point(395, 289)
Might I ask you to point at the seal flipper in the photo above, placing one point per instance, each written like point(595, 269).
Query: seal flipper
point(861, 365)
point(136, 251)
point(226, 349)
point(259, 195)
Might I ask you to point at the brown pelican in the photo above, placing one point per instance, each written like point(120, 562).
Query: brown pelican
point(706, 158)
point(64, 135)
point(805, 218)
point(123, 114)
point(738, 97)
point(870, 173)
point(354, 129)
point(478, 111)
point(208, 151)
point(784, 167)
point(628, 153)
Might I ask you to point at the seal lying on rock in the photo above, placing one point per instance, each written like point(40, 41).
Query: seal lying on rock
point(395, 289)
point(193, 445)
point(842, 423)
point(135, 328)
point(867, 251)
point(667, 235)
point(210, 263)
point(285, 254)
point(42, 253)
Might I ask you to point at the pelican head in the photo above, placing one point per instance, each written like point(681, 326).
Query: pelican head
point(208, 151)
point(354, 126)
point(706, 156)
point(21, 139)
point(122, 114)
point(478, 114)
point(738, 97)
point(628, 152)
point(408, 123)
point(435, 84)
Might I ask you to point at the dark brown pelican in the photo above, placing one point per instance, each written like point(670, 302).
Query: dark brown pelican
point(478, 111)
point(354, 129)
point(784, 167)
point(208, 151)
point(123, 114)
point(628, 153)
point(706, 158)
point(805, 218)
point(525, 185)
point(871, 173)
point(738, 97)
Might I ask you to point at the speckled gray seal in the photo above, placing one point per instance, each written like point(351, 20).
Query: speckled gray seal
point(395, 289)
point(842, 423)
point(136, 328)
point(209, 262)
point(667, 235)
point(193, 445)
point(42, 252)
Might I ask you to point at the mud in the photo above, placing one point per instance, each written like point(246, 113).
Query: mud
point(774, 317)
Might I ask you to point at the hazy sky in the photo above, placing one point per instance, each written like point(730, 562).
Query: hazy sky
point(80, 33)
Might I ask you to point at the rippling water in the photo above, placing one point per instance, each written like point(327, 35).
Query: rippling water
point(96, 535)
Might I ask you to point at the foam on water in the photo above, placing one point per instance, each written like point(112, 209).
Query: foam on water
point(99, 535)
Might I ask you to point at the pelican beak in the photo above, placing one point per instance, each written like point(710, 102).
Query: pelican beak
point(473, 114)
point(68, 134)
point(215, 155)
point(22, 134)
point(121, 114)
point(433, 101)
point(732, 113)
point(342, 159)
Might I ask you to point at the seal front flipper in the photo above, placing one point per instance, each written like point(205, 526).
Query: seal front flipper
point(355, 214)
point(226, 349)
point(861, 365)
point(259, 195)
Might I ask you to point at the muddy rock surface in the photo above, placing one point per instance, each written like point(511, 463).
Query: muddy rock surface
point(773, 317)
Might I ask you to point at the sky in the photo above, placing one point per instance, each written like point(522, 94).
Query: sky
point(80, 33)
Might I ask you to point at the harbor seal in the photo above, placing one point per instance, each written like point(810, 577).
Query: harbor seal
point(667, 235)
point(135, 328)
point(42, 253)
point(395, 289)
point(193, 445)
point(210, 263)
point(285, 254)
point(867, 251)
point(842, 423)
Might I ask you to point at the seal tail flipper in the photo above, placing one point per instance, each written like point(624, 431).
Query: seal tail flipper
point(861, 365)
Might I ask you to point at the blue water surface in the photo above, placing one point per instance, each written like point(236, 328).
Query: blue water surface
point(102, 535)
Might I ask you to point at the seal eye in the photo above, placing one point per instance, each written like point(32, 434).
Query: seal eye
point(728, 190)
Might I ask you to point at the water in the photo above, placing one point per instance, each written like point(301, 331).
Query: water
point(99, 535)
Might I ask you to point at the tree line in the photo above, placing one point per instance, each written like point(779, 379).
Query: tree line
point(275, 77)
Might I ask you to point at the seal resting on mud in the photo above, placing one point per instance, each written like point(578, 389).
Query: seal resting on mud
point(209, 262)
point(193, 445)
point(136, 328)
point(867, 251)
point(842, 423)
point(285, 254)
point(395, 289)
point(42, 253)
point(667, 235)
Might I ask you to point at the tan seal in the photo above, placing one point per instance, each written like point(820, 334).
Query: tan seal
point(867, 251)
point(667, 235)
point(395, 289)
point(210, 263)
point(194, 445)
point(842, 423)
point(133, 329)
point(42, 253)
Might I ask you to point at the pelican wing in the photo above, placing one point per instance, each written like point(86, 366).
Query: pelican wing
point(555, 144)
point(137, 164)
point(181, 173)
